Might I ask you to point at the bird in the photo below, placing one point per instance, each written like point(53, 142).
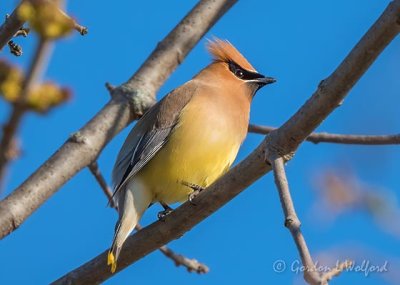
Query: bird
point(186, 141)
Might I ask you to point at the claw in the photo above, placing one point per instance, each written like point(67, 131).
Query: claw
point(196, 190)
point(192, 196)
point(162, 214)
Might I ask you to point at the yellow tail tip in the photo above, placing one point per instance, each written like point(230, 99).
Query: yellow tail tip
point(111, 261)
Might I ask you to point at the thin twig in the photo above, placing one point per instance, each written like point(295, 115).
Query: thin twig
point(310, 115)
point(79, 28)
point(37, 66)
point(327, 276)
point(192, 265)
point(95, 170)
point(292, 222)
point(337, 138)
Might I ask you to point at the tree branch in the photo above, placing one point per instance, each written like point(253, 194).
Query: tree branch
point(327, 276)
point(295, 130)
point(10, 129)
point(85, 145)
point(94, 169)
point(336, 138)
point(292, 222)
point(9, 28)
point(192, 265)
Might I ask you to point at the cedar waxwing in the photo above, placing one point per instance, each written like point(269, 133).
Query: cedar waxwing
point(185, 141)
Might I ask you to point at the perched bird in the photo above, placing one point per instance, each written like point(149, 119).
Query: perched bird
point(186, 141)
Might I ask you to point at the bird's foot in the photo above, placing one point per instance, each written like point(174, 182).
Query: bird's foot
point(196, 190)
point(162, 214)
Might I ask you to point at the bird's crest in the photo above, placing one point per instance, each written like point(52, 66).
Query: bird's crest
point(223, 50)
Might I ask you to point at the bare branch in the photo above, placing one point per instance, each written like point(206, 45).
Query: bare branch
point(192, 265)
point(291, 220)
point(94, 169)
point(326, 277)
point(10, 129)
point(139, 92)
point(79, 28)
point(316, 109)
point(337, 138)
point(10, 27)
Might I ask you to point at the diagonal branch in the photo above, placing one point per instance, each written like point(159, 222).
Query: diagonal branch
point(313, 112)
point(192, 265)
point(85, 145)
point(337, 138)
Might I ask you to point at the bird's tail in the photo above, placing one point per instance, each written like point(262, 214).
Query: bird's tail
point(135, 201)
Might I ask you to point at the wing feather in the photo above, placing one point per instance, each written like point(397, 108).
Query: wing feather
point(150, 134)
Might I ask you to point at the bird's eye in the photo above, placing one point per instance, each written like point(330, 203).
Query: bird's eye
point(236, 70)
point(239, 73)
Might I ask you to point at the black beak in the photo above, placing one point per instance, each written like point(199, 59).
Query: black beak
point(262, 81)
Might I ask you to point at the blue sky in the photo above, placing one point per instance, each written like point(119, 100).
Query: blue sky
point(299, 43)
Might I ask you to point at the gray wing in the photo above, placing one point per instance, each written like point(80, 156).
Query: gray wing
point(150, 134)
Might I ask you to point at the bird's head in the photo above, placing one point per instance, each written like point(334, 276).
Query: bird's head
point(233, 68)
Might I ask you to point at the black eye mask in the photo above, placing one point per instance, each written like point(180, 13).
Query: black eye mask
point(242, 73)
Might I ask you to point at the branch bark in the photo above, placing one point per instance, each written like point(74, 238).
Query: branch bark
point(139, 91)
point(337, 138)
point(284, 140)
point(9, 28)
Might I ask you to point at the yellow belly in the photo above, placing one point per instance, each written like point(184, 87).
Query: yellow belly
point(199, 151)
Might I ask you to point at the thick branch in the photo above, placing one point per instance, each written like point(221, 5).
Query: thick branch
point(337, 138)
point(332, 91)
point(192, 265)
point(85, 145)
point(253, 167)
point(9, 28)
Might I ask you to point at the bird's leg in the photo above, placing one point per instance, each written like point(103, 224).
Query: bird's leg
point(196, 190)
point(167, 210)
